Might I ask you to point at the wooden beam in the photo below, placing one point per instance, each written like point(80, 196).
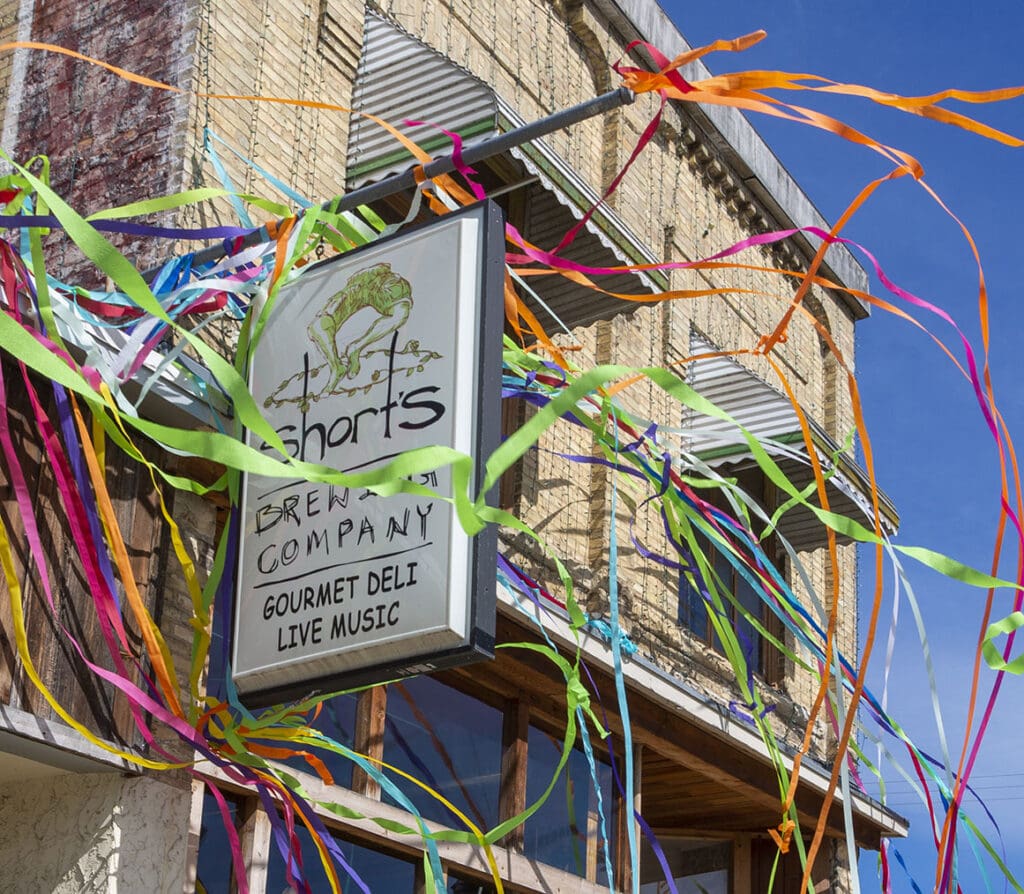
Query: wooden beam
point(254, 833)
point(669, 739)
point(742, 882)
point(517, 872)
point(625, 813)
point(371, 713)
point(512, 797)
point(419, 883)
point(669, 832)
point(593, 837)
point(688, 745)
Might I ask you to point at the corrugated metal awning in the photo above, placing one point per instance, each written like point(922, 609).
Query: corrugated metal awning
point(569, 303)
point(400, 78)
point(761, 409)
point(768, 414)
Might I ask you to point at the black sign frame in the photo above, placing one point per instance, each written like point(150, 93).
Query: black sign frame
point(479, 642)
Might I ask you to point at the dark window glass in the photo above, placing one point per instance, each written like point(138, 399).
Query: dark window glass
point(697, 866)
point(457, 885)
point(337, 719)
point(566, 831)
point(450, 741)
point(380, 872)
point(213, 868)
point(693, 610)
point(748, 635)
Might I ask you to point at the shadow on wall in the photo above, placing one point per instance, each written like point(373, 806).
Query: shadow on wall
point(79, 833)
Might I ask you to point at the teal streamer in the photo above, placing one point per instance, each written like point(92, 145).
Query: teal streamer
point(276, 182)
point(226, 182)
point(588, 749)
point(620, 685)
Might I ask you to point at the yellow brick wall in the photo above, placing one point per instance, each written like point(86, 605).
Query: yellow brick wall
point(255, 47)
point(678, 199)
point(542, 58)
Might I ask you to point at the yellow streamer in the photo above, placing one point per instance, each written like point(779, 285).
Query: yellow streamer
point(21, 640)
point(156, 647)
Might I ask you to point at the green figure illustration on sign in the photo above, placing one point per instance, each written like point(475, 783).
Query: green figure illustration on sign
point(377, 288)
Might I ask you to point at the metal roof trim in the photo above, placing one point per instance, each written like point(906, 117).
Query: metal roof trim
point(401, 158)
point(393, 71)
point(855, 475)
point(844, 475)
point(758, 406)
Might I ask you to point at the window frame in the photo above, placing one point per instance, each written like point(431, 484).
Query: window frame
point(770, 666)
point(520, 871)
point(690, 596)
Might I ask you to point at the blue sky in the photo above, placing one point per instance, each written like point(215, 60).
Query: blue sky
point(933, 453)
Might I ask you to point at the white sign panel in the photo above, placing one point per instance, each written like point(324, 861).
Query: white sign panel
point(379, 351)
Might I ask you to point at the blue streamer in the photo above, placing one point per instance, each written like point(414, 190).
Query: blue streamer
point(620, 685)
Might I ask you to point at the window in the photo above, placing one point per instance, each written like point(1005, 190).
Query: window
point(378, 871)
point(449, 740)
point(566, 831)
point(213, 869)
point(694, 610)
point(693, 614)
point(454, 742)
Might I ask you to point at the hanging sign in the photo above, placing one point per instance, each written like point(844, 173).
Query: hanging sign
point(384, 349)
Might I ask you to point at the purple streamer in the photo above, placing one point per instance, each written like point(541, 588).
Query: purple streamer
point(21, 221)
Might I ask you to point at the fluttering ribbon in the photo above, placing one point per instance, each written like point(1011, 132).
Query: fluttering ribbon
point(242, 744)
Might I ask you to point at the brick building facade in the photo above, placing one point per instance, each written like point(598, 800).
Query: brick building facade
point(704, 779)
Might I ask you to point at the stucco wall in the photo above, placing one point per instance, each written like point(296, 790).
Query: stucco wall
point(87, 834)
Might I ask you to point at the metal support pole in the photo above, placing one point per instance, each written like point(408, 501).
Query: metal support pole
point(489, 148)
point(446, 164)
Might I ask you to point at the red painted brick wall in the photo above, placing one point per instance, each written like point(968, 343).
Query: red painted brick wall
point(109, 141)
